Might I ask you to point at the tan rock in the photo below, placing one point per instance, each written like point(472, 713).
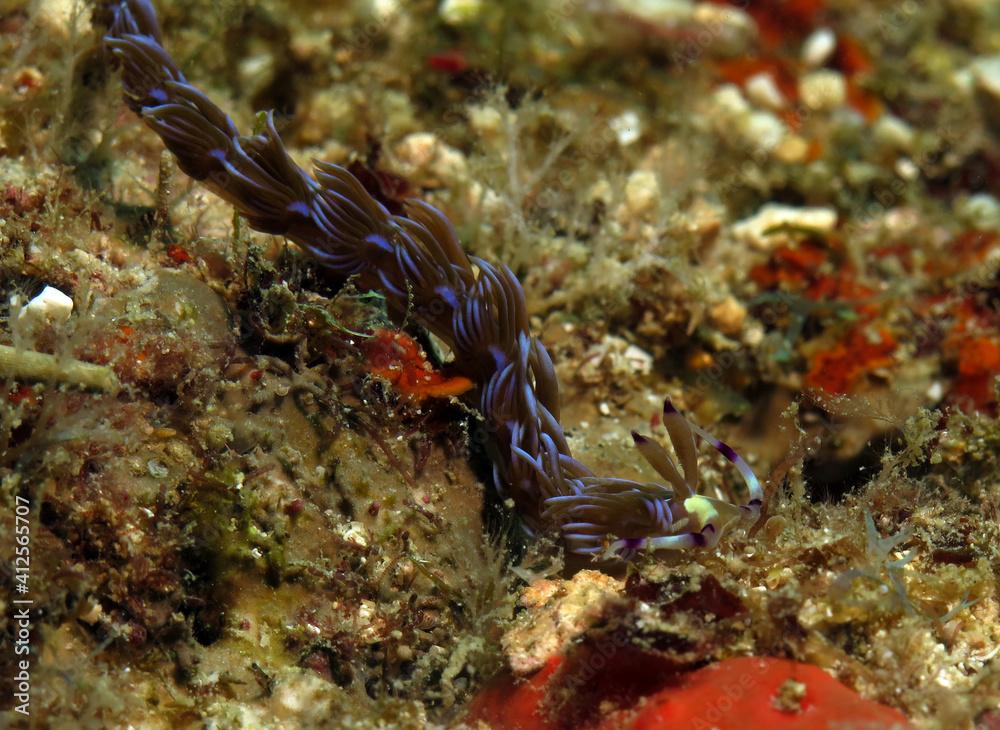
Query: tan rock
point(557, 612)
point(728, 316)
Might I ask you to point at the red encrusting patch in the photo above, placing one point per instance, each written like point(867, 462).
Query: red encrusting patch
point(508, 703)
point(851, 57)
point(817, 272)
point(590, 690)
point(396, 357)
point(758, 693)
point(805, 269)
point(23, 394)
point(449, 62)
point(783, 26)
point(794, 266)
point(964, 251)
point(854, 61)
point(838, 369)
point(974, 345)
point(781, 21)
point(868, 106)
point(178, 254)
point(978, 356)
point(978, 366)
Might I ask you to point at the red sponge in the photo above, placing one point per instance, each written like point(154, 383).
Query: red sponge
point(742, 693)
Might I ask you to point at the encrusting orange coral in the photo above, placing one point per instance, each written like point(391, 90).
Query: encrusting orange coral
point(396, 357)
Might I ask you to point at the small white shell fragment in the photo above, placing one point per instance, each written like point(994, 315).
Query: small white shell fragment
point(756, 230)
point(627, 127)
point(763, 130)
point(733, 115)
point(369, 624)
point(892, 132)
point(50, 304)
point(907, 169)
point(486, 120)
point(823, 90)
point(425, 152)
point(640, 361)
point(728, 315)
point(157, 469)
point(355, 533)
point(818, 47)
point(385, 9)
point(641, 191)
point(792, 149)
point(763, 91)
point(980, 210)
point(724, 21)
point(986, 71)
point(728, 99)
point(91, 614)
point(753, 335)
point(657, 12)
point(616, 355)
point(460, 12)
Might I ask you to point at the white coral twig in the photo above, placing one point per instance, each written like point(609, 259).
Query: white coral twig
point(39, 366)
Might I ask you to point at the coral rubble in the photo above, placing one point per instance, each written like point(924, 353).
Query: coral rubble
point(256, 499)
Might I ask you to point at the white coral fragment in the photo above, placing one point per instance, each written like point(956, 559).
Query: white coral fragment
point(50, 305)
point(764, 229)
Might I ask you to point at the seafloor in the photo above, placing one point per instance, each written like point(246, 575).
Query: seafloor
point(783, 215)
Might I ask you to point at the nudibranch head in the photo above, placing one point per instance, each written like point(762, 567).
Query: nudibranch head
point(618, 518)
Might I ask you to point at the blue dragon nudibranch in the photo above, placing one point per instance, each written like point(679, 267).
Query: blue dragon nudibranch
point(476, 307)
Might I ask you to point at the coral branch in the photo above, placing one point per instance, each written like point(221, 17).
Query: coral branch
point(39, 366)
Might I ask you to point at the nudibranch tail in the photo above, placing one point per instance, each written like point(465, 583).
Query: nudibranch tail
point(476, 307)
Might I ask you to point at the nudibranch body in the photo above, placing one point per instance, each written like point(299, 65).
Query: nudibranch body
point(477, 308)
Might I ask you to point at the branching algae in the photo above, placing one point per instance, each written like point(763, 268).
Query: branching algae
point(476, 307)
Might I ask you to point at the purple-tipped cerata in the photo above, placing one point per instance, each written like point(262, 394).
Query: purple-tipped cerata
point(478, 308)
